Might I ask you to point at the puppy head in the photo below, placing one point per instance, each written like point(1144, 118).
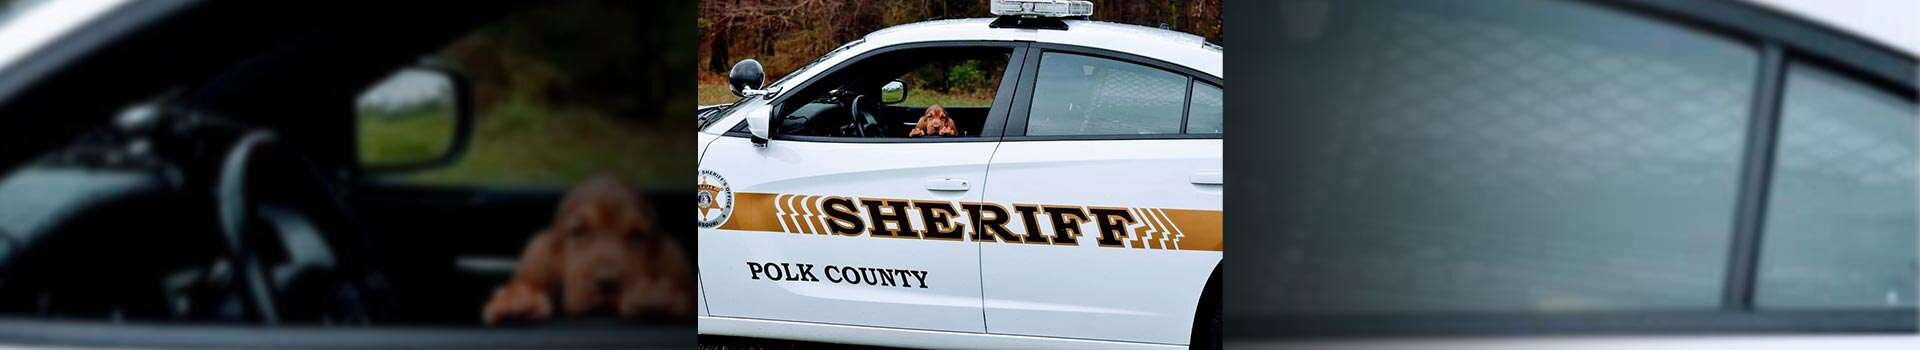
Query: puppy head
point(935, 122)
point(598, 227)
point(936, 111)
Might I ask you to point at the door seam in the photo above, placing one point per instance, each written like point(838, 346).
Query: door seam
point(979, 251)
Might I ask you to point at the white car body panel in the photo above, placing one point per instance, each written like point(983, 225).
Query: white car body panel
point(1888, 22)
point(1134, 295)
point(951, 300)
point(895, 337)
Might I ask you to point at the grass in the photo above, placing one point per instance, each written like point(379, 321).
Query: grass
point(402, 137)
point(715, 92)
point(923, 98)
point(517, 143)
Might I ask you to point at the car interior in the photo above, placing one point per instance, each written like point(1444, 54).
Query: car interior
point(850, 102)
point(168, 168)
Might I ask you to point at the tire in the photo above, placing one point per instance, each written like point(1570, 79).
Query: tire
point(1207, 323)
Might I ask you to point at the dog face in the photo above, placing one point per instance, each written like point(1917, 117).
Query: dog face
point(934, 122)
point(599, 231)
point(601, 253)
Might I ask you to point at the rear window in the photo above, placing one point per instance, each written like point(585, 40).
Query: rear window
point(1840, 212)
point(1204, 110)
point(1085, 95)
point(1513, 157)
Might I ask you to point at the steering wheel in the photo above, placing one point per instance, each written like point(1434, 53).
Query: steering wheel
point(267, 194)
point(859, 120)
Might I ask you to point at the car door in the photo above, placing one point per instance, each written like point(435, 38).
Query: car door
point(848, 230)
point(1110, 158)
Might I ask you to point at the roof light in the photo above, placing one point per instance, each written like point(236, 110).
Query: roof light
point(1042, 8)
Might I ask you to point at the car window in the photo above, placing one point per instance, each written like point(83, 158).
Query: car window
point(953, 83)
point(948, 93)
point(1204, 109)
point(1524, 156)
point(1085, 95)
point(1839, 229)
point(557, 98)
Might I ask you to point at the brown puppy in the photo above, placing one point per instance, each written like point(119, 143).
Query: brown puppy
point(934, 123)
point(602, 253)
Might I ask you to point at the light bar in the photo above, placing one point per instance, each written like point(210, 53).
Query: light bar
point(1042, 8)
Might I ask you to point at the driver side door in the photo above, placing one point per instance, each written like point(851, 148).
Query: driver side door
point(866, 231)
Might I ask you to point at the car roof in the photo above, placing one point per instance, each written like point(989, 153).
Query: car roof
point(1188, 50)
point(1886, 22)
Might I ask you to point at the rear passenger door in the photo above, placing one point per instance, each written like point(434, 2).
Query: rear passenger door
point(1110, 171)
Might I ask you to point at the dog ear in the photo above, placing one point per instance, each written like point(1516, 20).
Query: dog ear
point(936, 111)
point(540, 262)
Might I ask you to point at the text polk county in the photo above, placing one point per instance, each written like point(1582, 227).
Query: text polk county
point(873, 276)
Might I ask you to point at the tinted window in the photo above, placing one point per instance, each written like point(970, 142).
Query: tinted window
point(1840, 215)
point(1203, 110)
point(550, 112)
point(960, 81)
point(1081, 95)
point(1504, 156)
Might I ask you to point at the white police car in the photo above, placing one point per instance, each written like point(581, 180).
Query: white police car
point(1079, 205)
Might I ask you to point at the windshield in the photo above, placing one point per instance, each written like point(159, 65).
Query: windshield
point(707, 119)
point(816, 61)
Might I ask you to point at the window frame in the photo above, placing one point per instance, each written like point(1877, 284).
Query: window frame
point(1029, 73)
point(996, 119)
point(1781, 41)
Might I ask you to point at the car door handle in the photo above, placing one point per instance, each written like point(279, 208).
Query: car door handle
point(1210, 177)
point(947, 184)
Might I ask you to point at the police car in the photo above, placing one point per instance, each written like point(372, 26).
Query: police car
point(1078, 206)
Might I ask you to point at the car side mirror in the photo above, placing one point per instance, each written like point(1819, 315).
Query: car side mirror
point(746, 78)
point(894, 92)
point(417, 118)
point(758, 121)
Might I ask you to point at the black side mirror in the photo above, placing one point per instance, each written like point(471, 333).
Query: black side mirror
point(418, 118)
point(746, 76)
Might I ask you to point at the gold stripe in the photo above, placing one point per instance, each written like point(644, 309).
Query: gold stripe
point(1153, 228)
point(796, 214)
point(753, 212)
point(1201, 228)
point(1174, 234)
point(789, 218)
point(1169, 233)
point(812, 217)
point(1198, 229)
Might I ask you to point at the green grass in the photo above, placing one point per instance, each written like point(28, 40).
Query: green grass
point(402, 137)
point(516, 143)
point(923, 98)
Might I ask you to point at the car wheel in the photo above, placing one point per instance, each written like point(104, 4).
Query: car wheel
point(1206, 319)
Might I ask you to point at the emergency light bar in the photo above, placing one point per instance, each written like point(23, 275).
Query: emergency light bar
point(1042, 8)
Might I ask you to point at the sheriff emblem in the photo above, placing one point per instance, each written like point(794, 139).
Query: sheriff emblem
point(715, 199)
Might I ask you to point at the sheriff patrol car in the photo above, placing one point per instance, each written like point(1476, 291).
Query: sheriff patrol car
point(1079, 205)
